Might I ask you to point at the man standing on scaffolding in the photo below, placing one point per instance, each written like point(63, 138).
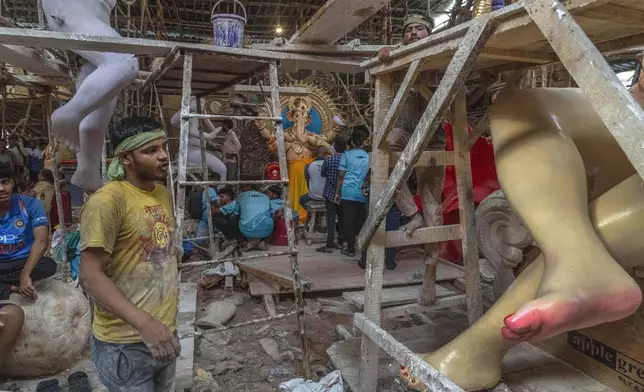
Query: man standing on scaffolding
point(129, 264)
point(429, 179)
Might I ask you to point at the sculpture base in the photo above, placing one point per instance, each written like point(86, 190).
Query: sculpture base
point(612, 353)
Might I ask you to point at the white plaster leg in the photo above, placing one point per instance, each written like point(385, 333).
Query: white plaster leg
point(114, 71)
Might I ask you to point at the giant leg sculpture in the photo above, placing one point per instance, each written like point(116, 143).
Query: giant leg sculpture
point(113, 73)
point(576, 282)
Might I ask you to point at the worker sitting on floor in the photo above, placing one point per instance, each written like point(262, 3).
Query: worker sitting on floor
point(314, 179)
point(12, 319)
point(224, 220)
point(24, 233)
point(255, 218)
point(280, 235)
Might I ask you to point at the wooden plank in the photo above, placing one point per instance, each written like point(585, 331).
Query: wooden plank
point(186, 330)
point(523, 56)
point(352, 50)
point(454, 77)
point(439, 303)
point(285, 91)
point(271, 276)
point(464, 188)
point(422, 370)
point(427, 158)
point(269, 305)
point(619, 111)
point(380, 138)
point(229, 283)
point(258, 287)
point(425, 235)
point(379, 163)
point(618, 15)
point(289, 62)
point(395, 296)
point(335, 19)
point(32, 61)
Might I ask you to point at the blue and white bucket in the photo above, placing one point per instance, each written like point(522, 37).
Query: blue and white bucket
point(228, 29)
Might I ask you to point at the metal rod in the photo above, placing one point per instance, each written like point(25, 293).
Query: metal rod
point(248, 182)
point(59, 200)
point(104, 160)
point(224, 117)
point(251, 322)
point(288, 215)
point(235, 259)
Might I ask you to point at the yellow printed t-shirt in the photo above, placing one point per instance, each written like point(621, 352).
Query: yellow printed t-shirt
point(136, 228)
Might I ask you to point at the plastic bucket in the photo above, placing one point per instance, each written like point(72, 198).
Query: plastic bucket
point(228, 29)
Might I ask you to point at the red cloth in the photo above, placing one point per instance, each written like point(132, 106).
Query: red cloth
point(484, 179)
point(67, 208)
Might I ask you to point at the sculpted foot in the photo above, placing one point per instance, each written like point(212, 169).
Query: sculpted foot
point(413, 225)
point(65, 127)
point(470, 372)
point(87, 180)
point(575, 296)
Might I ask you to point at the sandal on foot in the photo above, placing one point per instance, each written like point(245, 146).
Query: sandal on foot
point(324, 249)
point(347, 252)
point(79, 382)
point(48, 386)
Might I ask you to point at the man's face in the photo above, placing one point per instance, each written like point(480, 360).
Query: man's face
point(414, 32)
point(224, 199)
point(6, 189)
point(149, 162)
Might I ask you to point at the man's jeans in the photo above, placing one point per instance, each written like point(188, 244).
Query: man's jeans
point(131, 368)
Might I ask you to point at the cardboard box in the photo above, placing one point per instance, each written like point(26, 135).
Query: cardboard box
point(611, 353)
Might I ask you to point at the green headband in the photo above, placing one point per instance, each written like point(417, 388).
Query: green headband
point(418, 19)
point(116, 171)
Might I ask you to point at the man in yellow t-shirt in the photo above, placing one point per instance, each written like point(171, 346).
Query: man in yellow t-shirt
point(129, 264)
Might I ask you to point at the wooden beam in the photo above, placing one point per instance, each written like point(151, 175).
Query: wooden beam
point(31, 60)
point(186, 331)
point(427, 158)
point(286, 91)
point(523, 56)
point(379, 163)
point(455, 75)
point(464, 186)
point(619, 111)
point(271, 277)
point(49, 39)
point(349, 50)
point(617, 14)
point(415, 365)
point(335, 19)
point(409, 309)
point(426, 235)
point(380, 138)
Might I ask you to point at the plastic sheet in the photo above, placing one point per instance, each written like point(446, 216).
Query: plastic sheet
point(331, 383)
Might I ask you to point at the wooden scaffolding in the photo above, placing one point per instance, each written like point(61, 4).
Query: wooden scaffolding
point(215, 69)
point(508, 39)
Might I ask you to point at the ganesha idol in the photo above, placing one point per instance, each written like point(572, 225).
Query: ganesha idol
point(310, 122)
point(581, 199)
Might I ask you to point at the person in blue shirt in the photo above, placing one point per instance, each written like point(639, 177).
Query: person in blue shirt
point(352, 172)
point(24, 234)
point(255, 219)
point(333, 210)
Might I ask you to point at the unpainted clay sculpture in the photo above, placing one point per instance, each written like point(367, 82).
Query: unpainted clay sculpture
point(553, 155)
point(194, 141)
point(81, 124)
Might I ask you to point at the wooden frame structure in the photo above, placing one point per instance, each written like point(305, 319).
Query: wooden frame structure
point(455, 53)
